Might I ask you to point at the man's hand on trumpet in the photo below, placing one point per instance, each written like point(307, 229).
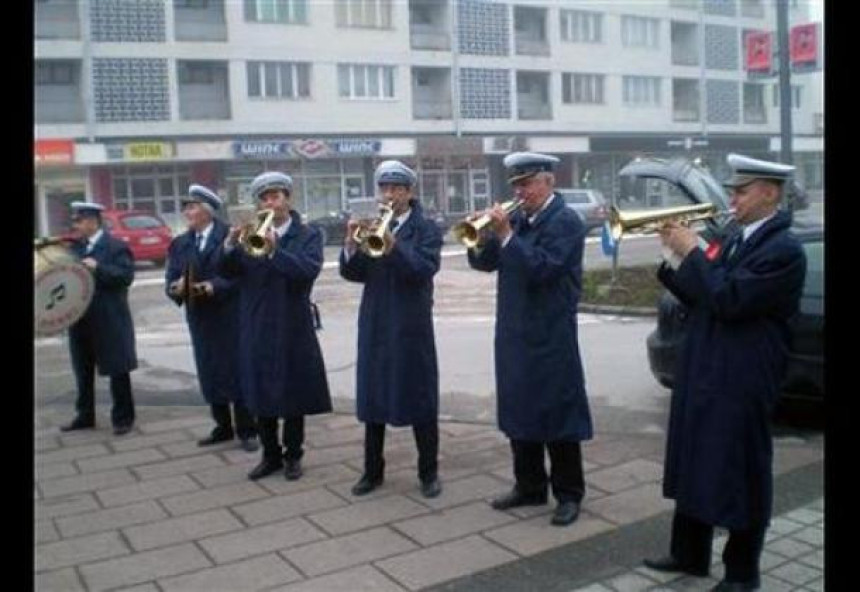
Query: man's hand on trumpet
point(678, 238)
point(500, 221)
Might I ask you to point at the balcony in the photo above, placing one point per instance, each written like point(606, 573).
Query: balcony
point(200, 22)
point(530, 36)
point(431, 110)
point(685, 100)
point(431, 93)
point(685, 44)
point(752, 8)
point(57, 19)
point(203, 90)
point(429, 37)
point(58, 96)
point(755, 115)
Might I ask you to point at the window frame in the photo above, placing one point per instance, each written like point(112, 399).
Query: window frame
point(633, 88)
point(356, 14)
point(633, 27)
point(284, 12)
point(581, 26)
point(385, 81)
point(256, 76)
point(591, 88)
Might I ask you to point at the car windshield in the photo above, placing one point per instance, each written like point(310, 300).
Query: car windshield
point(814, 282)
point(142, 221)
point(575, 197)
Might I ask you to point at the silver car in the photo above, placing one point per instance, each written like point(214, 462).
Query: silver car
point(588, 203)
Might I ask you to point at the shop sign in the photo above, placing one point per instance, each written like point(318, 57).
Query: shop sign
point(308, 148)
point(357, 147)
point(262, 149)
point(148, 151)
point(48, 152)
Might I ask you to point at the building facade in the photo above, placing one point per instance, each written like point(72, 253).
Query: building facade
point(135, 100)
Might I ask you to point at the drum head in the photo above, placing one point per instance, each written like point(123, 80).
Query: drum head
point(63, 293)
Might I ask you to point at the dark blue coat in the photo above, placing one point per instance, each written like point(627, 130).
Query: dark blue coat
point(212, 320)
point(539, 376)
point(106, 330)
point(719, 451)
point(281, 367)
point(397, 375)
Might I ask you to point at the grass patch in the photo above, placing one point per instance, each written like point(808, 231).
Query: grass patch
point(634, 286)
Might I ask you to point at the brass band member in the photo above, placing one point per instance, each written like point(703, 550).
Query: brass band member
point(719, 452)
point(104, 336)
point(397, 376)
point(281, 367)
point(212, 312)
point(542, 402)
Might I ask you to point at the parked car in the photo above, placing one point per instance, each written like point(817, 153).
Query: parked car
point(804, 378)
point(588, 203)
point(332, 226)
point(147, 235)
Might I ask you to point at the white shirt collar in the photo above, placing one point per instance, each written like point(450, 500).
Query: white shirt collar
point(401, 219)
point(750, 228)
point(534, 216)
point(283, 228)
point(205, 232)
point(91, 242)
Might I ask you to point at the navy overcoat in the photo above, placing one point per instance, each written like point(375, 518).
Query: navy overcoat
point(719, 451)
point(212, 320)
point(281, 368)
point(539, 375)
point(106, 330)
point(397, 375)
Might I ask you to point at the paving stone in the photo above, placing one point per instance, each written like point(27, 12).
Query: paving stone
point(626, 475)
point(120, 459)
point(795, 572)
point(180, 530)
point(453, 523)
point(443, 562)
point(225, 474)
point(816, 585)
point(769, 560)
point(359, 579)
point(140, 441)
point(187, 448)
point(783, 526)
point(70, 453)
point(815, 559)
point(366, 514)
point(662, 577)
point(345, 435)
point(287, 506)
point(46, 532)
point(252, 574)
point(61, 580)
point(45, 444)
point(143, 567)
point(335, 454)
point(110, 519)
point(812, 535)
point(528, 537)
point(88, 482)
point(259, 540)
point(79, 438)
point(146, 490)
point(175, 467)
point(477, 487)
point(64, 506)
point(631, 505)
point(79, 550)
point(771, 584)
point(789, 548)
point(55, 470)
point(403, 481)
point(141, 588)
point(594, 588)
point(348, 550)
point(164, 425)
point(228, 495)
point(464, 429)
point(804, 516)
point(326, 475)
point(630, 582)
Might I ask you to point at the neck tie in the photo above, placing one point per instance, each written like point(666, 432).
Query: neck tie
point(392, 226)
point(735, 244)
point(199, 242)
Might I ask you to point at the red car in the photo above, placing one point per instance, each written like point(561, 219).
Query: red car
point(147, 234)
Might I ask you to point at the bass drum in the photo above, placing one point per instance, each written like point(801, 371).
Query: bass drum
point(64, 288)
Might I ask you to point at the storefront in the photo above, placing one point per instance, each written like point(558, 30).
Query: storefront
point(57, 183)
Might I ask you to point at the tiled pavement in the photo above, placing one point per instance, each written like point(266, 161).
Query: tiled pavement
point(151, 511)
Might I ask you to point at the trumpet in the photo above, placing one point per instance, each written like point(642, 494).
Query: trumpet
point(371, 235)
point(468, 232)
point(253, 237)
point(622, 222)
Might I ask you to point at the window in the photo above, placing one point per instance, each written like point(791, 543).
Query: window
point(795, 95)
point(375, 14)
point(276, 11)
point(190, 73)
point(140, 221)
point(640, 32)
point(287, 80)
point(202, 4)
point(642, 90)
point(357, 81)
point(582, 88)
point(581, 27)
point(56, 73)
point(754, 111)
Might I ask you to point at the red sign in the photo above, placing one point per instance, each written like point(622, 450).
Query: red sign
point(54, 151)
point(759, 56)
point(803, 44)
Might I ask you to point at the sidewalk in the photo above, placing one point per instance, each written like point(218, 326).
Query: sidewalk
point(151, 511)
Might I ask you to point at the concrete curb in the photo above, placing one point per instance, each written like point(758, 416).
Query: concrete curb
point(632, 311)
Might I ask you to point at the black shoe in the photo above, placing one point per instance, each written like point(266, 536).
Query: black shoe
point(565, 513)
point(515, 499)
point(249, 444)
point(431, 487)
point(727, 586)
point(215, 437)
point(79, 423)
point(670, 564)
point(293, 470)
point(265, 468)
point(366, 484)
point(121, 430)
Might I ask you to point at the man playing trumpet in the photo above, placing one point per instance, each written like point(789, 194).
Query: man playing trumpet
point(212, 312)
point(397, 375)
point(542, 402)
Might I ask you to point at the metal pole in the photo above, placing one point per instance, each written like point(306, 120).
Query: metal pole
point(785, 106)
point(703, 104)
point(455, 68)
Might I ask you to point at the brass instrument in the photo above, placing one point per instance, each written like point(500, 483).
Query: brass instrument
point(468, 232)
point(190, 289)
point(649, 221)
point(371, 235)
point(253, 237)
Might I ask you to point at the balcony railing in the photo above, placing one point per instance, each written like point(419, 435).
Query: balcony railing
point(534, 111)
point(684, 55)
point(532, 47)
point(755, 115)
point(429, 37)
point(685, 115)
point(422, 109)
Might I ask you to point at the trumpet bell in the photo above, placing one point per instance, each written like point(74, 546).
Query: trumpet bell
point(622, 222)
point(468, 232)
point(254, 239)
point(371, 236)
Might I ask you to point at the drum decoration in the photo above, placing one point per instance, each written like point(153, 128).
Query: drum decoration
point(63, 287)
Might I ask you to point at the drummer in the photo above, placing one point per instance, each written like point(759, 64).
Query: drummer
point(104, 336)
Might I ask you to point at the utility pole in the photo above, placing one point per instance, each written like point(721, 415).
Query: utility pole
point(785, 105)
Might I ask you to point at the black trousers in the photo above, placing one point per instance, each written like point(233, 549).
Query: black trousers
point(426, 440)
point(566, 478)
point(224, 422)
point(122, 411)
point(692, 540)
point(292, 436)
